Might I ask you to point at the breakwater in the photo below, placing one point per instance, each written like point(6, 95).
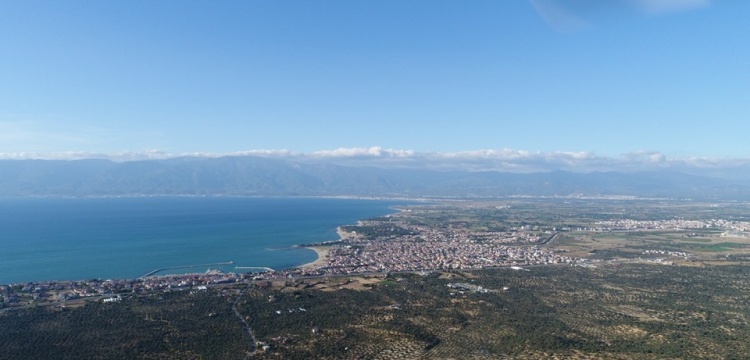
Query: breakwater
point(254, 268)
point(153, 272)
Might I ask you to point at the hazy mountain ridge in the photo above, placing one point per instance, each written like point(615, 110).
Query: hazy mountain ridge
point(249, 175)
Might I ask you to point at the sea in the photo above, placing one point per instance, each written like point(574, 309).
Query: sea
point(55, 239)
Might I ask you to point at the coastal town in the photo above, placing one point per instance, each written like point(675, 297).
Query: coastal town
point(375, 246)
point(419, 248)
point(352, 255)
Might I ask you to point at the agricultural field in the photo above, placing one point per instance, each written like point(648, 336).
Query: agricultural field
point(628, 311)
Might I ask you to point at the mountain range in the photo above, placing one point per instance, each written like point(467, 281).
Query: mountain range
point(261, 176)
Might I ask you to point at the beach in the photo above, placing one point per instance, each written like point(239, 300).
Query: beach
point(322, 259)
point(323, 251)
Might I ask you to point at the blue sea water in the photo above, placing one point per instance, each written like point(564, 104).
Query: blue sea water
point(76, 239)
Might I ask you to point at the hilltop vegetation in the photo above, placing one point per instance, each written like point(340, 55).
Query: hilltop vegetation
point(178, 325)
point(624, 312)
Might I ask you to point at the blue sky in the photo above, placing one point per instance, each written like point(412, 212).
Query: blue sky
point(665, 78)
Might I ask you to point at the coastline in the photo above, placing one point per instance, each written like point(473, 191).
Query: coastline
point(267, 224)
point(324, 250)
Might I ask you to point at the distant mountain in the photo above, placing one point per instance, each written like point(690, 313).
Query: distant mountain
point(249, 175)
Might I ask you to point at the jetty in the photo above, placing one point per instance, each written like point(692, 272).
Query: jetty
point(150, 273)
point(255, 268)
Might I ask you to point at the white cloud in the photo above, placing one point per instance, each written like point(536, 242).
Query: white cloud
point(262, 152)
point(371, 152)
point(666, 6)
point(81, 155)
point(257, 152)
point(572, 15)
point(558, 16)
point(350, 152)
point(649, 157)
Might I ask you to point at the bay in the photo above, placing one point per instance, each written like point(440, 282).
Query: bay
point(45, 239)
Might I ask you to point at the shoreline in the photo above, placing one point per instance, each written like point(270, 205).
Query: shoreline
point(324, 251)
point(72, 273)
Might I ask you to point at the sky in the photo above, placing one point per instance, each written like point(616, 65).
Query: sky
point(654, 80)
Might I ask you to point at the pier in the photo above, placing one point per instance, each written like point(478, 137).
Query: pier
point(251, 268)
point(150, 273)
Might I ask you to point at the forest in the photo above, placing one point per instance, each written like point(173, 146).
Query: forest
point(628, 311)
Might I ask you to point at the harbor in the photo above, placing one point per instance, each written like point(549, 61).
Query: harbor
point(154, 272)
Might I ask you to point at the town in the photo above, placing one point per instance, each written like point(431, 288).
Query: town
point(391, 244)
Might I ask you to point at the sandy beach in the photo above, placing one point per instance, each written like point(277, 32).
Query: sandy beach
point(323, 251)
point(322, 260)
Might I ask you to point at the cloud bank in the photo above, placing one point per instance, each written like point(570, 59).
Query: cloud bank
point(505, 160)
